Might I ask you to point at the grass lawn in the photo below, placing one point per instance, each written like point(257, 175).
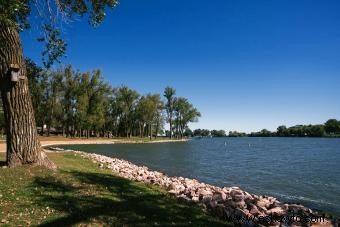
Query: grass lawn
point(80, 193)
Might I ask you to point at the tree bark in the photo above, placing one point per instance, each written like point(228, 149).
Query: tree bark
point(150, 131)
point(170, 121)
point(157, 129)
point(42, 129)
point(23, 146)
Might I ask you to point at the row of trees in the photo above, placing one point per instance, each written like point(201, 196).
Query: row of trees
point(330, 128)
point(82, 105)
point(23, 146)
point(206, 132)
point(237, 134)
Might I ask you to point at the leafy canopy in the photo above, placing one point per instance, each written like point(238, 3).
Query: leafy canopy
point(52, 13)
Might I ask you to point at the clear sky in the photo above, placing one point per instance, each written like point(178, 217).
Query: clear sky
point(246, 65)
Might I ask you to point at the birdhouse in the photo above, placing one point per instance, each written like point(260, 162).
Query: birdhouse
point(15, 72)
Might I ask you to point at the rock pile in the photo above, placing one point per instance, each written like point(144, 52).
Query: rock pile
point(226, 202)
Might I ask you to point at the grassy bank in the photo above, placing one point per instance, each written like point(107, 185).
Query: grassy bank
point(79, 192)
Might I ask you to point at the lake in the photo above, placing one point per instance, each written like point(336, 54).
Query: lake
point(299, 170)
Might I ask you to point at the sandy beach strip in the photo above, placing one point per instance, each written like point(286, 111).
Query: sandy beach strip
point(64, 141)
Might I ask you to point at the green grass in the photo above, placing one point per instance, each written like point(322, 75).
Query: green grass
point(80, 193)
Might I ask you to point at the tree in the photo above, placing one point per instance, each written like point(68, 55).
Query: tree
point(282, 131)
point(98, 92)
point(54, 96)
point(188, 132)
point(169, 94)
point(316, 131)
point(201, 132)
point(197, 132)
point(262, 133)
point(38, 86)
point(185, 113)
point(23, 146)
point(127, 99)
point(149, 113)
point(332, 126)
point(218, 133)
point(91, 100)
point(159, 118)
point(155, 109)
point(237, 134)
point(68, 101)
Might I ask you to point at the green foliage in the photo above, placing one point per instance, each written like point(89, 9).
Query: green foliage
point(282, 131)
point(149, 114)
point(206, 132)
point(316, 131)
point(15, 13)
point(65, 98)
point(127, 100)
point(80, 193)
point(38, 85)
point(218, 133)
point(201, 132)
point(237, 134)
point(83, 104)
point(91, 100)
point(185, 113)
point(301, 131)
point(169, 94)
point(188, 132)
point(55, 46)
point(262, 133)
point(332, 126)
point(294, 131)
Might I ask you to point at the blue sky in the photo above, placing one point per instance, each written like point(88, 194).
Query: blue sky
point(246, 65)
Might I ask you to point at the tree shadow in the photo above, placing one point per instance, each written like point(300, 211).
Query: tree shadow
point(3, 159)
point(3, 163)
point(113, 200)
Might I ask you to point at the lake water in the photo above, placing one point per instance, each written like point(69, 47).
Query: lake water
point(300, 170)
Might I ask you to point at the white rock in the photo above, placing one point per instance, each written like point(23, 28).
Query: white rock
point(276, 210)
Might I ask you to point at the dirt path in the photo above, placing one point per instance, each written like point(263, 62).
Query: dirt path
point(2, 147)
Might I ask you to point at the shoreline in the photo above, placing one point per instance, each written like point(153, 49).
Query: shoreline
point(66, 141)
point(226, 202)
point(222, 202)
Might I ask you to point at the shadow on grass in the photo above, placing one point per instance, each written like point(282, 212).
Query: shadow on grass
point(2, 159)
point(113, 200)
point(3, 163)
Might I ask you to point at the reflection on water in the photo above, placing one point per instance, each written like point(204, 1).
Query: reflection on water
point(302, 170)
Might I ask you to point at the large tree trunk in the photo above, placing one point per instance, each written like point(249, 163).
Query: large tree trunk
point(23, 146)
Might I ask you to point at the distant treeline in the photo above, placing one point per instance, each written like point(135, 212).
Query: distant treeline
point(331, 128)
point(83, 104)
point(205, 133)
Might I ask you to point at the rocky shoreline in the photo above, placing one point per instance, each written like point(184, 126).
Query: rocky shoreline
point(230, 203)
